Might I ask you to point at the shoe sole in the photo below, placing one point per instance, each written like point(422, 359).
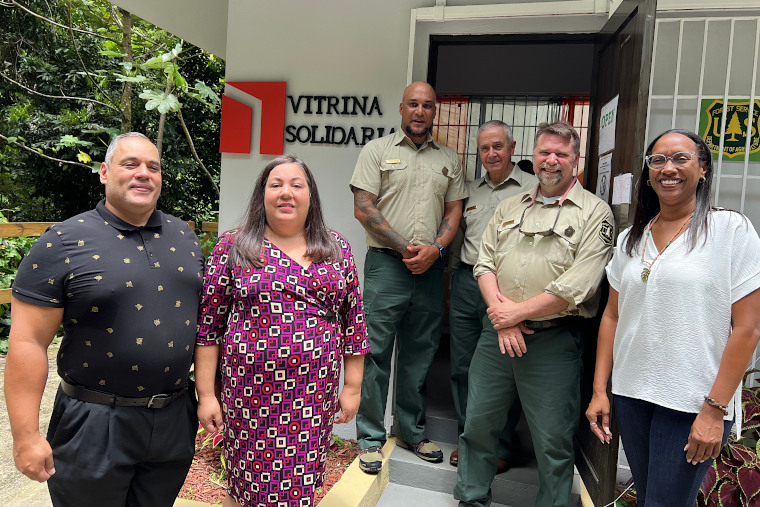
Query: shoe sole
point(369, 470)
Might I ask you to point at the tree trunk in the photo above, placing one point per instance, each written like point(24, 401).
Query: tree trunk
point(126, 91)
point(162, 122)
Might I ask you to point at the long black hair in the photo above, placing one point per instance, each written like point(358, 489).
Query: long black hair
point(648, 205)
point(321, 245)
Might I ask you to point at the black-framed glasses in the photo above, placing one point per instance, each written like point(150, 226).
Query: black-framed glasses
point(538, 233)
point(658, 161)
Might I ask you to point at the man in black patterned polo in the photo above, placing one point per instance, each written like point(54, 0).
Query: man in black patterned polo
point(124, 280)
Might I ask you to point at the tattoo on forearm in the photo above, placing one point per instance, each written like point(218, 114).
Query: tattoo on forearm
point(374, 222)
point(443, 229)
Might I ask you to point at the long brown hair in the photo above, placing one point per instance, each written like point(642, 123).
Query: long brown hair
point(321, 245)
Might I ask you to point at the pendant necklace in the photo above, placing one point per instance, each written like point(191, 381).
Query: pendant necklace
point(648, 265)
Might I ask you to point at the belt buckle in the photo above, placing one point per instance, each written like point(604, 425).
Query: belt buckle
point(157, 397)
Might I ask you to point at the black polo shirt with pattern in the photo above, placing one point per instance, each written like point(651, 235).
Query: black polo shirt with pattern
point(130, 298)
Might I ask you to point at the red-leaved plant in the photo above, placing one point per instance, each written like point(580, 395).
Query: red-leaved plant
point(734, 478)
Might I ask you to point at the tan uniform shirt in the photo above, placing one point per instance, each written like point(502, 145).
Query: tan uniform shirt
point(568, 264)
point(411, 185)
point(481, 204)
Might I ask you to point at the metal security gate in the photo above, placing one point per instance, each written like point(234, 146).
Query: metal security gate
point(458, 118)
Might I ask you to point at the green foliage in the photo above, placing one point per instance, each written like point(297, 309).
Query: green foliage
point(42, 58)
point(734, 477)
point(12, 250)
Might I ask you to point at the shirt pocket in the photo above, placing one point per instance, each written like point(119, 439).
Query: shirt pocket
point(440, 176)
point(564, 245)
point(393, 175)
point(507, 236)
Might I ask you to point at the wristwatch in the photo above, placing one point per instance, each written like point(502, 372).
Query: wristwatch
point(440, 248)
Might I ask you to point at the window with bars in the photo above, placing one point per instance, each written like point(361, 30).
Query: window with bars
point(458, 119)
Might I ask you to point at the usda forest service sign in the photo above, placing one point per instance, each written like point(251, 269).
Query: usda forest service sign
point(735, 133)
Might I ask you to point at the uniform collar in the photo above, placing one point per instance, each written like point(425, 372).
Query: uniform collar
point(399, 137)
point(154, 222)
point(514, 176)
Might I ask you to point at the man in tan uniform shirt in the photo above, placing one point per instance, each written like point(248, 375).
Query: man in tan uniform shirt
point(539, 267)
point(467, 310)
point(408, 193)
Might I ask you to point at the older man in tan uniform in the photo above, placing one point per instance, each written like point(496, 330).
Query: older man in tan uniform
point(408, 193)
point(540, 264)
point(467, 310)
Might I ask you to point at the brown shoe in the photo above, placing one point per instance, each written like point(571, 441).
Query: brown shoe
point(454, 458)
point(502, 466)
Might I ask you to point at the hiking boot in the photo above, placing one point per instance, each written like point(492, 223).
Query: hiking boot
point(426, 450)
point(371, 460)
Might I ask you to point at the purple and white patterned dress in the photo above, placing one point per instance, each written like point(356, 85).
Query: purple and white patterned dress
point(283, 329)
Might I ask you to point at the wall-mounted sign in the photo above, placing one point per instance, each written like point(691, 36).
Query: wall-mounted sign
point(607, 124)
point(329, 127)
point(735, 133)
point(603, 177)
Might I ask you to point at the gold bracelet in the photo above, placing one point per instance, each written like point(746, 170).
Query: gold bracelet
point(723, 408)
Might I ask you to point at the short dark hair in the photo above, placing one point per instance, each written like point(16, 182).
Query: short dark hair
point(562, 129)
point(321, 245)
point(648, 205)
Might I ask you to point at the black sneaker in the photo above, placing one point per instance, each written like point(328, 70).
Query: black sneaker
point(371, 460)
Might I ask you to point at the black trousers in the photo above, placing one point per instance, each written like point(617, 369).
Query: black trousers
point(120, 456)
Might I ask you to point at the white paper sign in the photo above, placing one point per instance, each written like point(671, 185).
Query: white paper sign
point(603, 178)
point(621, 189)
point(607, 126)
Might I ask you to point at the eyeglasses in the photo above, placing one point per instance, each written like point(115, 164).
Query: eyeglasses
point(539, 233)
point(658, 161)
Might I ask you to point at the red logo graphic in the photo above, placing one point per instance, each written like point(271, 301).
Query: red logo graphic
point(236, 118)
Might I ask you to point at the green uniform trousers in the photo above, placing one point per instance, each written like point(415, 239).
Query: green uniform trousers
point(547, 379)
point(398, 305)
point(468, 322)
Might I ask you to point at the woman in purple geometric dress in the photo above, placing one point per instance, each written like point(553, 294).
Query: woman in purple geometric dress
point(281, 306)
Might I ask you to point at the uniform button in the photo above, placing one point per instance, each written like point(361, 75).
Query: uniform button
point(530, 244)
point(518, 285)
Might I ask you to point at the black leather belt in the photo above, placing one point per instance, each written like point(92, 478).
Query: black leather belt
point(387, 251)
point(103, 398)
point(468, 267)
point(546, 324)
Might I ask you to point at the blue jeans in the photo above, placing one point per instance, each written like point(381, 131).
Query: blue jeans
point(653, 439)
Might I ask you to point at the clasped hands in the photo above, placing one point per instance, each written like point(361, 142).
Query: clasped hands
point(419, 258)
point(508, 323)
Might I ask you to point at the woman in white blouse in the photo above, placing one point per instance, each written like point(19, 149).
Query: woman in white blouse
point(680, 325)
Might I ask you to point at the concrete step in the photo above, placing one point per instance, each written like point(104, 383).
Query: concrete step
point(517, 486)
point(397, 495)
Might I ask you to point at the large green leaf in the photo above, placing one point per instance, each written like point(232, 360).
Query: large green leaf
point(160, 100)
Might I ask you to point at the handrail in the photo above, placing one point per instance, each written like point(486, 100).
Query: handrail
point(26, 229)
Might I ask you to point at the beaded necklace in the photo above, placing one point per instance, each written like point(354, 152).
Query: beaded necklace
point(648, 269)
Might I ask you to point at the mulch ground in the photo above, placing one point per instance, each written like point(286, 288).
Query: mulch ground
point(203, 482)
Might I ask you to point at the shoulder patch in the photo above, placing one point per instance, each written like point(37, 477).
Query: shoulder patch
point(605, 232)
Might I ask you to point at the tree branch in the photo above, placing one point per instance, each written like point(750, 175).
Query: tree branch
point(195, 154)
point(81, 61)
point(60, 160)
point(13, 3)
point(65, 97)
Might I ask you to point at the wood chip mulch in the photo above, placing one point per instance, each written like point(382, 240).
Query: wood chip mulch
point(201, 485)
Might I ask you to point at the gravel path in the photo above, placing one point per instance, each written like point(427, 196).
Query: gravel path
point(15, 489)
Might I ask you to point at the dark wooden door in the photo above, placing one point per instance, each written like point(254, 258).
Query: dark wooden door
point(622, 69)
